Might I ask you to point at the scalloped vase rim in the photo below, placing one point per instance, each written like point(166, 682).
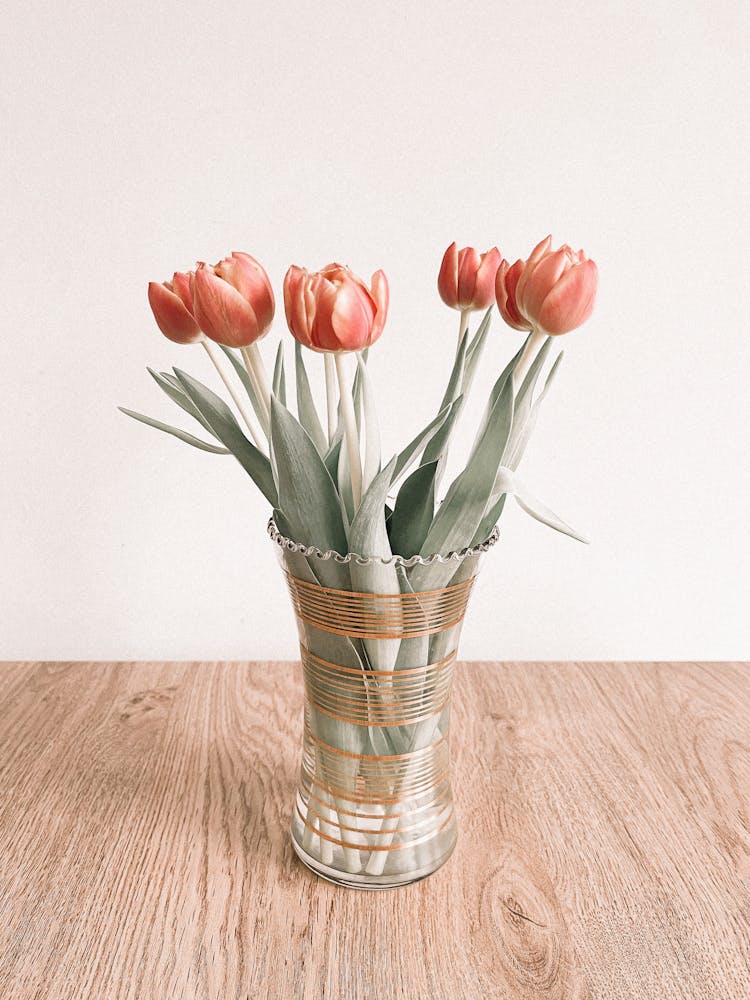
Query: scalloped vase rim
point(311, 550)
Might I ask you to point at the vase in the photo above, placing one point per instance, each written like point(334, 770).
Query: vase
point(378, 644)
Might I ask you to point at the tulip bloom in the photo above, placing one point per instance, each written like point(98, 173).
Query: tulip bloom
point(505, 293)
point(556, 289)
point(332, 310)
point(233, 300)
point(467, 279)
point(172, 306)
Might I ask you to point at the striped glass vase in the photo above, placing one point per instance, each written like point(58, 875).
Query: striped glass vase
point(378, 643)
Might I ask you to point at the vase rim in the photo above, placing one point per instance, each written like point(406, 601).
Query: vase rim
point(456, 556)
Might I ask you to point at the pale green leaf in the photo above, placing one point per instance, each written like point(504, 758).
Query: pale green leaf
point(413, 511)
point(172, 388)
point(225, 427)
point(174, 431)
point(239, 367)
point(307, 494)
point(279, 377)
point(308, 414)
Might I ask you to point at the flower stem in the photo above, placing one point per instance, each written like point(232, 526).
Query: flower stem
point(252, 368)
point(463, 326)
point(524, 362)
point(330, 395)
point(350, 431)
point(255, 432)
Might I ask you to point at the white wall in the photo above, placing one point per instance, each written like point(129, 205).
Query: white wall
point(142, 136)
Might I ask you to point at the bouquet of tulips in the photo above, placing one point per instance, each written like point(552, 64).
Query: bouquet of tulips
point(348, 522)
point(325, 478)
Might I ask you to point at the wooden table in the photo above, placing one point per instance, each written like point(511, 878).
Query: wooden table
point(604, 848)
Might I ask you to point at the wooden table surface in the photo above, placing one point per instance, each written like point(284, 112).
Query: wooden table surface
point(604, 847)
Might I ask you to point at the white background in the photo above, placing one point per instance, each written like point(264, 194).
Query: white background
point(139, 137)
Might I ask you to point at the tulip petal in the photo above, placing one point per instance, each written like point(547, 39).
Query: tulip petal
point(484, 288)
point(505, 289)
point(468, 266)
point(571, 301)
point(448, 277)
point(541, 280)
point(172, 318)
point(352, 316)
point(380, 294)
point(222, 313)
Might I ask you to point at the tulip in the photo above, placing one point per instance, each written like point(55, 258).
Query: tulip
point(172, 306)
point(233, 300)
point(332, 310)
point(505, 293)
point(467, 279)
point(556, 289)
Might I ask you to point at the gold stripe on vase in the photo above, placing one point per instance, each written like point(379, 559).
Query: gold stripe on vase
point(374, 802)
point(377, 697)
point(379, 616)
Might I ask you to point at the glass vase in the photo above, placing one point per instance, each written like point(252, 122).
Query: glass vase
point(378, 643)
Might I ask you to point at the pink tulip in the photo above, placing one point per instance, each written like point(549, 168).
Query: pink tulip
point(233, 300)
point(467, 279)
point(172, 306)
point(505, 293)
point(333, 310)
point(557, 288)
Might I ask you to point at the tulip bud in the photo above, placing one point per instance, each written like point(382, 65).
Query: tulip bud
point(556, 289)
point(233, 300)
point(172, 307)
point(505, 293)
point(333, 310)
point(467, 279)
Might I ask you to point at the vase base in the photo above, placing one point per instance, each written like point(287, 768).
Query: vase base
point(365, 881)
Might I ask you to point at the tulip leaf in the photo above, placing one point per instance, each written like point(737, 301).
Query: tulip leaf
point(308, 414)
point(474, 352)
point(279, 376)
point(172, 388)
point(371, 465)
point(307, 494)
point(368, 536)
point(413, 511)
point(241, 371)
point(175, 432)
point(508, 482)
point(409, 455)
point(331, 458)
point(489, 520)
point(524, 425)
point(437, 448)
point(461, 513)
point(223, 424)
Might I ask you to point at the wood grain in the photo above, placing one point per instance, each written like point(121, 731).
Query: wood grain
point(604, 849)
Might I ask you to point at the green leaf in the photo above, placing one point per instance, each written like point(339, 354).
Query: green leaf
point(474, 352)
point(223, 424)
point(371, 465)
point(308, 414)
point(241, 371)
point(307, 494)
point(409, 455)
point(331, 459)
point(437, 449)
point(172, 388)
point(368, 536)
point(461, 513)
point(413, 511)
point(174, 431)
point(279, 378)
point(524, 426)
point(489, 520)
